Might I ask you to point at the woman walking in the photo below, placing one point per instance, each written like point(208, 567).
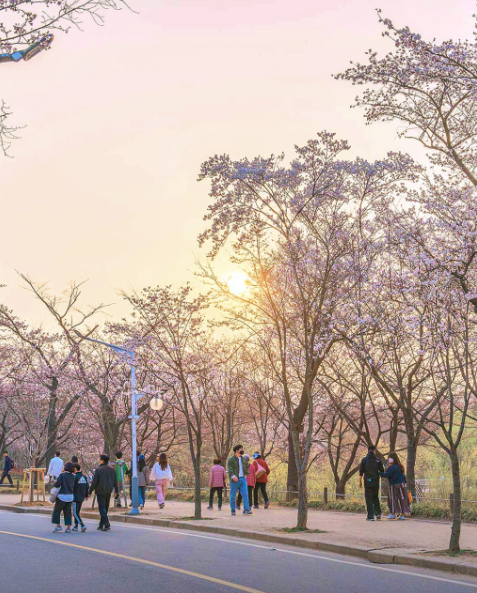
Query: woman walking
point(161, 475)
point(64, 498)
point(262, 472)
point(397, 488)
point(142, 479)
point(216, 483)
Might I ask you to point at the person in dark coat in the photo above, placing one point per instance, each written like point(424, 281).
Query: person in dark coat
point(104, 482)
point(371, 469)
point(7, 468)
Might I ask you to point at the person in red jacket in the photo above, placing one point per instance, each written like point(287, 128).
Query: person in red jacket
point(251, 481)
point(262, 471)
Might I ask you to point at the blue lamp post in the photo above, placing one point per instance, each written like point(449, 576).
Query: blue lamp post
point(129, 354)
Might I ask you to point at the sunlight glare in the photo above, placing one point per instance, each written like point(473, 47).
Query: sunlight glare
point(237, 283)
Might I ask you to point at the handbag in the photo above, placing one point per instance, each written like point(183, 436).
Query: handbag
point(260, 472)
point(54, 494)
point(409, 495)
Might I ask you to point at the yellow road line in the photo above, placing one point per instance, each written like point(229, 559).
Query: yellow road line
point(189, 573)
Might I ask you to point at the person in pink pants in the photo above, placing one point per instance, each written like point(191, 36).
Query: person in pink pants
point(161, 475)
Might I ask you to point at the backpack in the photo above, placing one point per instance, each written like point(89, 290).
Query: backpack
point(13, 463)
point(371, 469)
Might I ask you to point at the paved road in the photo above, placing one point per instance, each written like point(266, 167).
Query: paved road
point(135, 559)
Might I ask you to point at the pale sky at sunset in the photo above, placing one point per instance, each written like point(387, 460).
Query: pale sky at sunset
point(104, 186)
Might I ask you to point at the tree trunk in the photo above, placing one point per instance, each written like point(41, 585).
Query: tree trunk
point(386, 491)
point(297, 424)
point(411, 466)
point(292, 479)
point(302, 517)
point(393, 429)
point(341, 489)
point(197, 492)
point(454, 544)
point(110, 438)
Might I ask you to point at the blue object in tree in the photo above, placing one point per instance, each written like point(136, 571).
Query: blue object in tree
point(30, 52)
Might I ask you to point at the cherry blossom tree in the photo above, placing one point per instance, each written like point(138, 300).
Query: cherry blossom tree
point(452, 389)
point(225, 391)
point(430, 89)
point(49, 360)
point(264, 405)
point(293, 232)
point(169, 326)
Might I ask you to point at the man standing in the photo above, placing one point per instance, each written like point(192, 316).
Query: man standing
point(7, 468)
point(238, 472)
point(55, 468)
point(262, 472)
point(104, 482)
point(371, 467)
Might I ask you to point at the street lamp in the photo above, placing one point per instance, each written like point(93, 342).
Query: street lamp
point(156, 404)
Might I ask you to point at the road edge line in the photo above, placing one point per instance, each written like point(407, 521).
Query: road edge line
point(370, 554)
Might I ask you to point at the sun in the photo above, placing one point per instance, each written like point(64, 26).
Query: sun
point(237, 283)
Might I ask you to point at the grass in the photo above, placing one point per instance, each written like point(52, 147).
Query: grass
point(192, 519)
point(425, 510)
point(304, 530)
point(39, 503)
point(464, 552)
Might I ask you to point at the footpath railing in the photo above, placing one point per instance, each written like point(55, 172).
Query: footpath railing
point(326, 496)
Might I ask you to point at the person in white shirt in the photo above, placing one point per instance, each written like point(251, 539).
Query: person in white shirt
point(161, 475)
point(55, 468)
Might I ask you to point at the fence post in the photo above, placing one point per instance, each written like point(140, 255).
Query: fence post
point(451, 503)
point(325, 496)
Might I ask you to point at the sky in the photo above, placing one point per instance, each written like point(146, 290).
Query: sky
point(103, 184)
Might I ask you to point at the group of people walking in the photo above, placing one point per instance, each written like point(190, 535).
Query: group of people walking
point(160, 474)
point(372, 471)
point(246, 478)
point(71, 488)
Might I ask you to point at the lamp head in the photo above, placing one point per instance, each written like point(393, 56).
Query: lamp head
point(156, 404)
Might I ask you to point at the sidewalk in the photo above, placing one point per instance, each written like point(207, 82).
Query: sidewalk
point(413, 536)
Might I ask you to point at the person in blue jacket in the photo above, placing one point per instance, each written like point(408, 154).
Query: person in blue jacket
point(397, 488)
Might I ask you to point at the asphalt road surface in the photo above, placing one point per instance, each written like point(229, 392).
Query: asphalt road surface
point(135, 559)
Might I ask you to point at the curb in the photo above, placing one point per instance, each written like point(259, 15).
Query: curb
point(371, 555)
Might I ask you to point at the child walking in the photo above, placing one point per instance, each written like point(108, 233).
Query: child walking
point(80, 494)
point(216, 483)
point(161, 475)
